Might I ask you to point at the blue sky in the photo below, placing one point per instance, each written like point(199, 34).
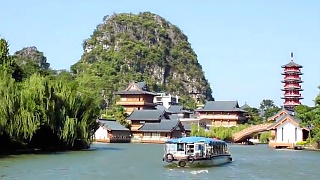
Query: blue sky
point(240, 44)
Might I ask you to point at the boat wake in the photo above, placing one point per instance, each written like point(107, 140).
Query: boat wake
point(194, 171)
point(285, 149)
point(199, 172)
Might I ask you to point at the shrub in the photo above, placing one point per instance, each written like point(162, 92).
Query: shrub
point(302, 143)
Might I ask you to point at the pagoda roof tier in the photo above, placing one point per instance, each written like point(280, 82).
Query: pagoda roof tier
point(292, 80)
point(292, 89)
point(292, 97)
point(292, 64)
point(291, 73)
point(291, 105)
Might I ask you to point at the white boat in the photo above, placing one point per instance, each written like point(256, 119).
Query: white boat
point(196, 151)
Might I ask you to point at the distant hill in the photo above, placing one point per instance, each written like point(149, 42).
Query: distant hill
point(143, 47)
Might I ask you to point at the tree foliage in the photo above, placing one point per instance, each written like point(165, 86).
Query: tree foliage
point(43, 111)
point(269, 108)
point(254, 116)
point(310, 117)
point(267, 104)
point(271, 111)
point(223, 133)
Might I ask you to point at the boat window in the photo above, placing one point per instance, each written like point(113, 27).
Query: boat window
point(190, 148)
point(180, 147)
point(171, 148)
point(219, 149)
point(214, 149)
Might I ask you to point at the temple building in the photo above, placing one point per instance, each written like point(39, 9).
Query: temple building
point(286, 130)
point(136, 97)
point(292, 87)
point(221, 113)
point(154, 126)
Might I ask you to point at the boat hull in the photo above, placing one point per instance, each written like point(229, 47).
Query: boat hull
point(214, 161)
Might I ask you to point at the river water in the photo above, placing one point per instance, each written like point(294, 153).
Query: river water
point(144, 162)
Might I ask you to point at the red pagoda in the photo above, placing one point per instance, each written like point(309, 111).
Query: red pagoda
point(292, 85)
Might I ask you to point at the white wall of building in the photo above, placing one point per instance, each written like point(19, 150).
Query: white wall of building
point(165, 99)
point(289, 133)
point(101, 133)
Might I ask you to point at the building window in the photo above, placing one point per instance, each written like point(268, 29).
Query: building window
point(282, 134)
point(295, 134)
point(155, 134)
point(123, 99)
point(147, 134)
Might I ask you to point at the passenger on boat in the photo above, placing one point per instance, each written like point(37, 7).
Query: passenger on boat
point(180, 147)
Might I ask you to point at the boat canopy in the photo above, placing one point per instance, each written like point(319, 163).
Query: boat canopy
point(210, 141)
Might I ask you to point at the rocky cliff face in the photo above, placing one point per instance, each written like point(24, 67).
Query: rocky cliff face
point(32, 55)
point(144, 47)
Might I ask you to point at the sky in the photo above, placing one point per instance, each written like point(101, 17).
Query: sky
point(241, 45)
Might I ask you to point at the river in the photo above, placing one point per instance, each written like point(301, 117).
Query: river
point(144, 162)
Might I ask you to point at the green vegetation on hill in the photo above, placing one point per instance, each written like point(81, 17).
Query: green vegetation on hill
point(142, 47)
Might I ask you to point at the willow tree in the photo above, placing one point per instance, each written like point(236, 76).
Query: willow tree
point(8, 103)
point(71, 113)
point(44, 112)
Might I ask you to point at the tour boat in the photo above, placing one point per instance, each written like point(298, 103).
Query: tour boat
point(196, 151)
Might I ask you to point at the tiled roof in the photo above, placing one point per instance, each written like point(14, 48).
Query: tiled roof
point(146, 114)
point(282, 110)
point(142, 89)
point(163, 126)
point(112, 125)
point(141, 85)
point(176, 108)
point(187, 126)
point(221, 106)
point(291, 112)
point(292, 64)
point(162, 108)
point(282, 117)
point(174, 116)
point(136, 92)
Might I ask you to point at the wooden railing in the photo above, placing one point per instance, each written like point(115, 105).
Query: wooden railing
point(249, 131)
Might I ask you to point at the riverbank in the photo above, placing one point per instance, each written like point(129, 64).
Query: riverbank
point(311, 149)
point(51, 150)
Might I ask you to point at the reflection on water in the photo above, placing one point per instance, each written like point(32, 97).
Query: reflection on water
point(144, 161)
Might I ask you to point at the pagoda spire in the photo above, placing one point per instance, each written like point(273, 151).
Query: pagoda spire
point(291, 56)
